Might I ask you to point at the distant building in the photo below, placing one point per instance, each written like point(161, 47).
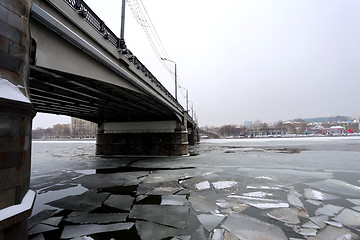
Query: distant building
point(82, 129)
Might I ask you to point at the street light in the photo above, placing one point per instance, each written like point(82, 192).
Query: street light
point(187, 98)
point(165, 59)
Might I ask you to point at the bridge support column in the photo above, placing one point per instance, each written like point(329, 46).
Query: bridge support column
point(165, 138)
point(194, 137)
point(16, 114)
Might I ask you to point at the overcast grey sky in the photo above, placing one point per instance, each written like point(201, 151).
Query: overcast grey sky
point(248, 60)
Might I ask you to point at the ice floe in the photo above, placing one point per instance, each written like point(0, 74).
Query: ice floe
point(151, 231)
point(310, 224)
point(335, 233)
point(328, 210)
point(245, 227)
point(217, 234)
point(314, 202)
point(257, 194)
point(320, 220)
point(199, 234)
point(333, 223)
point(348, 217)
point(308, 232)
point(166, 215)
point(99, 218)
point(87, 201)
point(122, 202)
point(176, 200)
point(223, 184)
point(202, 204)
point(269, 205)
point(294, 198)
point(286, 215)
point(337, 187)
point(71, 231)
point(41, 228)
point(317, 195)
point(202, 185)
point(54, 221)
point(354, 201)
point(210, 221)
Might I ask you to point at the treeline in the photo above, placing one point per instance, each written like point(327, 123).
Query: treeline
point(57, 131)
point(297, 126)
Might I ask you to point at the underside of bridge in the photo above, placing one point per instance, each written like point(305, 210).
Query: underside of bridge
point(67, 94)
point(130, 123)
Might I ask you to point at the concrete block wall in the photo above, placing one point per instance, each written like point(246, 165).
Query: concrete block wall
point(15, 116)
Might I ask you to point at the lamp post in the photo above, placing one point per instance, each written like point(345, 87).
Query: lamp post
point(165, 59)
point(187, 98)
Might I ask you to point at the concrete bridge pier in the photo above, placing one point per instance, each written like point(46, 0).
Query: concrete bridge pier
point(194, 136)
point(16, 114)
point(162, 138)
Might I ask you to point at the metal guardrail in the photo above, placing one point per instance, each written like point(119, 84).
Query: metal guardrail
point(85, 12)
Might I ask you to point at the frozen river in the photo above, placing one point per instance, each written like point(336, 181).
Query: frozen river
point(296, 188)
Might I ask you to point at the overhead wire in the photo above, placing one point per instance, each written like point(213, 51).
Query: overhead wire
point(142, 17)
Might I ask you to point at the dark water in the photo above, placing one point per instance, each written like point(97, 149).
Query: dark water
point(234, 189)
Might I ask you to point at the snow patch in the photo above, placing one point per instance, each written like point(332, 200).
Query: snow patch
point(11, 92)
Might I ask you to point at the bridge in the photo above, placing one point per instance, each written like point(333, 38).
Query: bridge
point(58, 56)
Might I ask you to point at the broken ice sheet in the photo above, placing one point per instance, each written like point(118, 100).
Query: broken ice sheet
point(201, 203)
point(39, 237)
point(314, 202)
point(39, 217)
point(223, 184)
point(41, 228)
point(336, 186)
point(87, 201)
point(210, 221)
point(173, 216)
point(170, 175)
point(122, 202)
point(354, 201)
point(308, 232)
point(151, 231)
point(320, 220)
point(71, 231)
point(218, 234)
point(54, 221)
point(310, 224)
point(348, 217)
point(329, 210)
point(162, 188)
point(245, 227)
point(199, 234)
point(317, 195)
point(331, 232)
point(294, 198)
point(196, 184)
point(334, 224)
point(96, 181)
point(356, 208)
point(202, 185)
point(269, 205)
point(257, 194)
point(177, 200)
point(101, 218)
point(286, 215)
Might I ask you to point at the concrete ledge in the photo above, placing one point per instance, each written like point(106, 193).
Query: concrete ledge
point(20, 212)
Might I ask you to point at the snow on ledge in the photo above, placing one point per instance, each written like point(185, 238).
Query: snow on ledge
point(24, 206)
point(12, 92)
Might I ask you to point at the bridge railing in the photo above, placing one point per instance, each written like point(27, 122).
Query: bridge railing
point(85, 12)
